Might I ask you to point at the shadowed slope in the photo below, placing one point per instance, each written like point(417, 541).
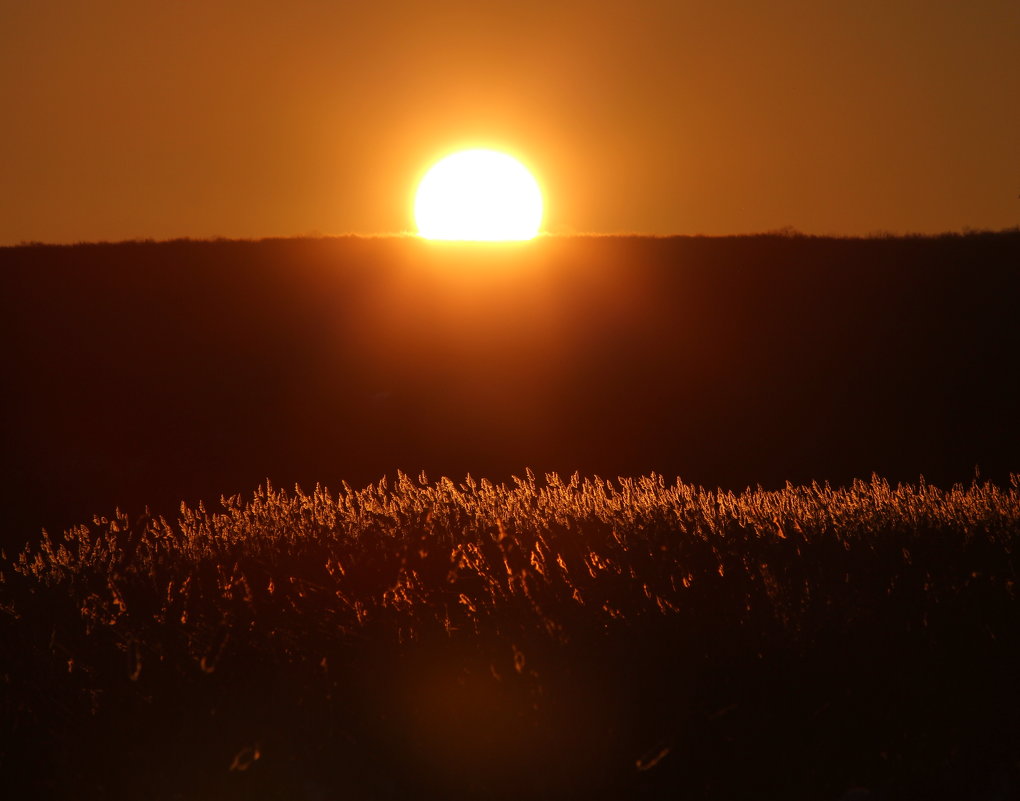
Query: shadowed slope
point(143, 373)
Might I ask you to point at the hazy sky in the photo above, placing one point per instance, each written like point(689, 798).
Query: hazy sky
point(220, 117)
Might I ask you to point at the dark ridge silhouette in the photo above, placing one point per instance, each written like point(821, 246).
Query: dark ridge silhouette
point(149, 373)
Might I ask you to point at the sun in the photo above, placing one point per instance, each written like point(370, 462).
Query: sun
point(478, 195)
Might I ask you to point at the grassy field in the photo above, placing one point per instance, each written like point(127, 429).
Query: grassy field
point(519, 638)
point(545, 638)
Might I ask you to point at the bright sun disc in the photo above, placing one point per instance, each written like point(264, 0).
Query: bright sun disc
point(478, 195)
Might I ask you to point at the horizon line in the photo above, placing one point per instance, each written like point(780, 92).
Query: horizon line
point(786, 232)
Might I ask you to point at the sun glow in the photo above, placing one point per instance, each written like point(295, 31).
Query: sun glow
point(478, 195)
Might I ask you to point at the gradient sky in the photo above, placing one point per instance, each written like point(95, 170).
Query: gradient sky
point(246, 119)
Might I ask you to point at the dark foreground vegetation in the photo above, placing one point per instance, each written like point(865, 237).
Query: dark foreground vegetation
point(542, 639)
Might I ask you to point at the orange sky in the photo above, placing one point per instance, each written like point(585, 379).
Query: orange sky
point(245, 119)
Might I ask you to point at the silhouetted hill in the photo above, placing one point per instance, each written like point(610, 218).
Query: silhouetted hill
point(147, 373)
